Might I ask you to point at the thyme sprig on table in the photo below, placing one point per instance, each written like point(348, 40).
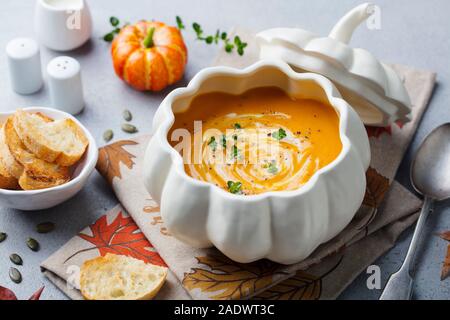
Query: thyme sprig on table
point(109, 37)
point(180, 24)
point(219, 36)
point(228, 44)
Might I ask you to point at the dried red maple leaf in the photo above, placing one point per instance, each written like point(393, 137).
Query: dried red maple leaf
point(37, 294)
point(123, 237)
point(6, 294)
point(446, 266)
point(378, 131)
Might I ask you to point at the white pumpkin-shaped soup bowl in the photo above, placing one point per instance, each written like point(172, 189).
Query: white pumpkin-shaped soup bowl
point(283, 226)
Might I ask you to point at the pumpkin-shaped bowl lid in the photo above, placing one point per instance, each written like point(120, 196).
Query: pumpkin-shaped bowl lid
point(373, 88)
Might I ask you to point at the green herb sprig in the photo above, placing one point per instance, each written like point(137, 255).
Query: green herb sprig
point(280, 134)
point(212, 144)
point(109, 37)
point(235, 151)
point(234, 187)
point(272, 168)
point(223, 141)
point(180, 24)
point(229, 45)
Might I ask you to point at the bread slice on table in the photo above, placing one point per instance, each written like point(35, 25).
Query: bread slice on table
point(36, 173)
point(118, 277)
point(60, 141)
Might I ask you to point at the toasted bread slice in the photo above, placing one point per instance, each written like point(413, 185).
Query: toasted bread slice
point(60, 141)
point(30, 180)
point(36, 173)
point(7, 181)
point(7, 160)
point(117, 277)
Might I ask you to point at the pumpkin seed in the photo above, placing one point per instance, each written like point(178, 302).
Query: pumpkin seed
point(33, 244)
point(45, 227)
point(15, 275)
point(127, 115)
point(129, 128)
point(3, 236)
point(16, 259)
point(108, 135)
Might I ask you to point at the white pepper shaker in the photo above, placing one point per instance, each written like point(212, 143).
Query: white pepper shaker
point(24, 62)
point(64, 82)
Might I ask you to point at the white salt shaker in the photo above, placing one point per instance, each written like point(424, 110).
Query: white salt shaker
point(24, 62)
point(64, 82)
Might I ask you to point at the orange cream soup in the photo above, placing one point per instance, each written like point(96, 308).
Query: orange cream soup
point(294, 139)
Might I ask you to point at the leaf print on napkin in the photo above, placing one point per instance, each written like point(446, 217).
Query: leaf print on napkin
point(121, 237)
point(110, 157)
point(376, 132)
point(377, 186)
point(445, 235)
point(229, 280)
point(302, 286)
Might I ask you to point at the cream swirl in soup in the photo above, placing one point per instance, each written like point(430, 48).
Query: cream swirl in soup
point(259, 141)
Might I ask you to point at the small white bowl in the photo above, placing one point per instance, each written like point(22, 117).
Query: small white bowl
point(50, 197)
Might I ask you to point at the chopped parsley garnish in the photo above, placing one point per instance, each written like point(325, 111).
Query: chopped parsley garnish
point(212, 143)
point(237, 126)
point(234, 187)
point(223, 141)
point(280, 134)
point(235, 152)
point(272, 168)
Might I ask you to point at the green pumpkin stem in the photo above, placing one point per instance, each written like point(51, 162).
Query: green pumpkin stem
point(148, 41)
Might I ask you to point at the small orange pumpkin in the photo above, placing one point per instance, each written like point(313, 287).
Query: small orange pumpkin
point(149, 56)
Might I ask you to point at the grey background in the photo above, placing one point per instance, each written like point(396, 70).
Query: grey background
point(415, 33)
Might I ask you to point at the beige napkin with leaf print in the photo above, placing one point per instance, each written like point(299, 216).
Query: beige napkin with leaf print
point(388, 209)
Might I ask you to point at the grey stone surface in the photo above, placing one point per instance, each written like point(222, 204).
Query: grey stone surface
point(413, 32)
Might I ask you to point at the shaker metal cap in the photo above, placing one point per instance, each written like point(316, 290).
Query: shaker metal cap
point(371, 87)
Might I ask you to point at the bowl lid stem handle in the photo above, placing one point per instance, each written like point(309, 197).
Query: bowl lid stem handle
point(343, 30)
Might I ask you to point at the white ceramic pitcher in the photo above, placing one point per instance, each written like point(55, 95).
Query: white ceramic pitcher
point(63, 25)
